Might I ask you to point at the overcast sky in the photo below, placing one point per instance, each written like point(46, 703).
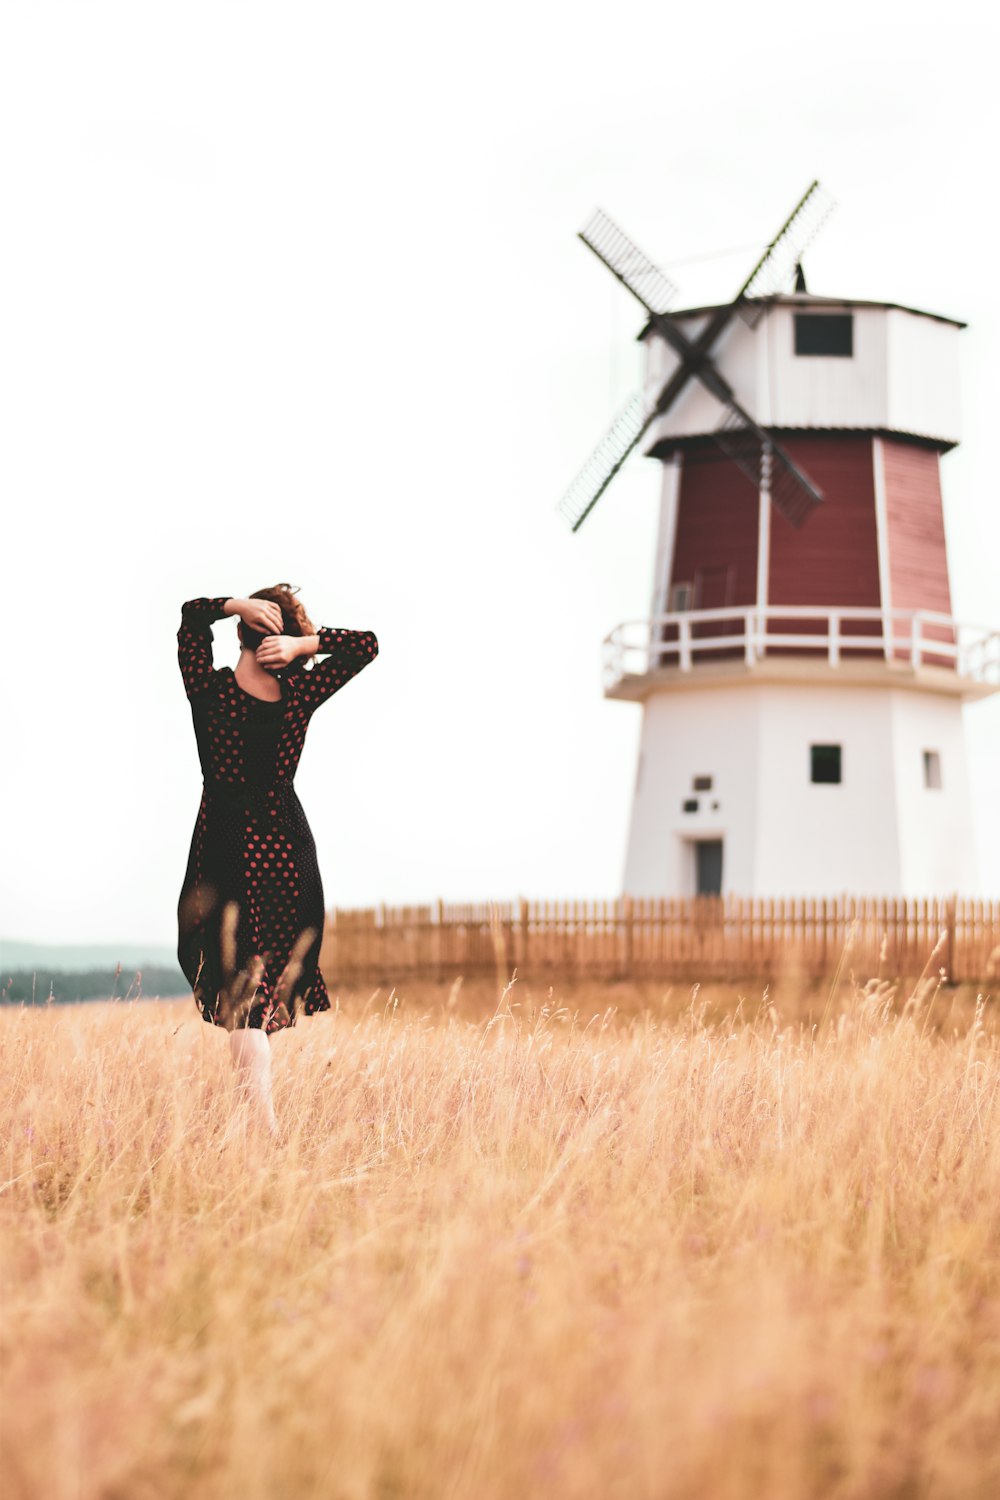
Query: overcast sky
point(293, 291)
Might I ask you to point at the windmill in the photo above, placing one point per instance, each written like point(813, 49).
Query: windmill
point(755, 451)
point(801, 685)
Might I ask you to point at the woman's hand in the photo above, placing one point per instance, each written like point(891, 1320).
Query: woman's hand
point(278, 650)
point(260, 614)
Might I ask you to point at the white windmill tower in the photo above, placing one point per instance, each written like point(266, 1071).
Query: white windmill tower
point(801, 674)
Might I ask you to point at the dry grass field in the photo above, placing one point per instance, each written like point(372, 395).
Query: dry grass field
point(583, 1245)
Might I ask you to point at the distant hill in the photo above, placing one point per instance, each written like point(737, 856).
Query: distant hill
point(79, 957)
point(42, 985)
point(86, 971)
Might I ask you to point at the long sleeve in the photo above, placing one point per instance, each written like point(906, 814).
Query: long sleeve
point(344, 654)
point(194, 641)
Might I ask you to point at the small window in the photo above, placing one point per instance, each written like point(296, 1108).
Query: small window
point(825, 333)
point(824, 763)
point(701, 783)
point(681, 598)
point(932, 770)
point(691, 805)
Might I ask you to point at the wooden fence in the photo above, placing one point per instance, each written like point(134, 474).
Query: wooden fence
point(701, 939)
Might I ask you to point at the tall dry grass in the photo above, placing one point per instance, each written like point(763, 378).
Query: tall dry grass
point(689, 1255)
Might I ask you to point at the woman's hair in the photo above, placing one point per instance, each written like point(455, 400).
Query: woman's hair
point(294, 620)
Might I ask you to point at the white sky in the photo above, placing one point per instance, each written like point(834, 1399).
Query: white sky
point(292, 292)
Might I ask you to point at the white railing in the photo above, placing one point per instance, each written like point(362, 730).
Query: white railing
point(686, 640)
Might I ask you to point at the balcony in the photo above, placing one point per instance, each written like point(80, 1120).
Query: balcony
point(915, 648)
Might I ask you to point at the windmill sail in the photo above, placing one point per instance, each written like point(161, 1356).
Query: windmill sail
point(793, 494)
point(776, 268)
point(624, 434)
point(739, 441)
point(752, 448)
point(762, 459)
point(626, 261)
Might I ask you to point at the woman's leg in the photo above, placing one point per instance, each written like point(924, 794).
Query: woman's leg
point(251, 1050)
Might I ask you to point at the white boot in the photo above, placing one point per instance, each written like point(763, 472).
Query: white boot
point(251, 1051)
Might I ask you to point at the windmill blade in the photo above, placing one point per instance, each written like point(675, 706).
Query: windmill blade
point(752, 448)
point(761, 459)
point(626, 261)
point(740, 441)
point(607, 458)
point(776, 267)
point(793, 493)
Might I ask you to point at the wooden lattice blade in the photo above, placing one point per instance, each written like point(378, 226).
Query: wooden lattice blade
point(625, 260)
point(624, 435)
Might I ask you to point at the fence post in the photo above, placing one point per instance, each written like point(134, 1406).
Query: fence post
point(627, 935)
point(439, 942)
point(521, 944)
point(328, 946)
point(949, 947)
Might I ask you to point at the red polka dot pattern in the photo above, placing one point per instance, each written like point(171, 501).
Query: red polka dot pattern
point(252, 851)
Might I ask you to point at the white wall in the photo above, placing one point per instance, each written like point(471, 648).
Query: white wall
point(903, 375)
point(879, 832)
point(924, 376)
point(686, 734)
point(817, 840)
point(827, 390)
point(666, 532)
point(936, 836)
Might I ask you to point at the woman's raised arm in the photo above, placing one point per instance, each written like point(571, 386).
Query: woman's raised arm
point(194, 638)
point(344, 654)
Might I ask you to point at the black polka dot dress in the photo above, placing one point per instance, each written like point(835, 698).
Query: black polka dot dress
point(250, 913)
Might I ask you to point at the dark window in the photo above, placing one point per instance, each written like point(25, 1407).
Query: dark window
point(708, 867)
point(701, 784)
point(932, 770)
point(691, 805)
point(824, 763)
point(824, 333)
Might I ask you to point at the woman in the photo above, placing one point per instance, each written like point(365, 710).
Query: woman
point(250, 914)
